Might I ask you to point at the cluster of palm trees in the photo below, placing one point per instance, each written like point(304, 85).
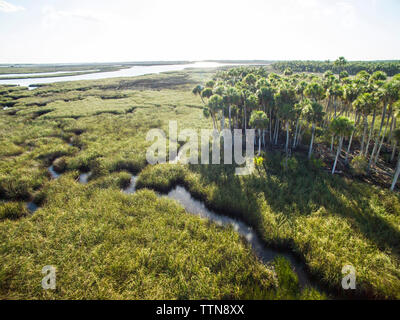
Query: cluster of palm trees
point(283, 107)
point(391, 68)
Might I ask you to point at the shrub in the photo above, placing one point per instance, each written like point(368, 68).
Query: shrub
point(316, 164)
point(287, 279)
point(98, 168)
point(126, 165)
point(60, 164)
point(12, 210)
point(10, 149)
point(14, 188)
point(120, 180)
point(290, 164)
point(83, 162)
point(359, 166)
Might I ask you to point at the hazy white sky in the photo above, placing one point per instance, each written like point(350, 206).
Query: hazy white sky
point(43, 31)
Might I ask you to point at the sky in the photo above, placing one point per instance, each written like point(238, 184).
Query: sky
point(55, 31)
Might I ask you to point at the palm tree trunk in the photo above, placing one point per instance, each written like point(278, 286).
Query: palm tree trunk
point(392, 126)
point(380, 130)
point(287, 138)
point(356, 120)
point(230, 118)
point(213, 118)
point(245, 117)
point(396, 175)
point(295, 134)
point(270, 125)
point(364, 133)
point(334, 103)
point(393, 152)
point(337, 154)
point(382, 139)
point(349, 148)
point(332, 140)
point(312, 141)
point(371, 159)
point(259, 141)
point(370, 133)
point(299, 135)
point(222, 120)
point(277, 131)
point(263, 137)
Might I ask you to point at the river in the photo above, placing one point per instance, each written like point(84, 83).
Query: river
point(129, 72)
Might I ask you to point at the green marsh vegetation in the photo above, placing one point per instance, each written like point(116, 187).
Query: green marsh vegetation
point(106, 244)
point(30, 72)
point(391, 68)
point(329, 221)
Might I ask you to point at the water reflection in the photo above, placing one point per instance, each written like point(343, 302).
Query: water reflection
point(84, 177)
point(197, 207)
point(53, 173)
point(128, 72)
point(32, 207)
point(132, 186)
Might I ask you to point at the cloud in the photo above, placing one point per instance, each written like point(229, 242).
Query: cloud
point(8, 7)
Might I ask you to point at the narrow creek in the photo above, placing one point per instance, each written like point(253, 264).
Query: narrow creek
point(197, 207)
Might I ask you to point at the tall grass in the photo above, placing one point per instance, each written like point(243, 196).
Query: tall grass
point(106, 244)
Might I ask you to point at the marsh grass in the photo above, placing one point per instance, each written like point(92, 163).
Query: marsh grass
point(109, 245)
point(106, 244)
point(12, 210)
point(327, 221)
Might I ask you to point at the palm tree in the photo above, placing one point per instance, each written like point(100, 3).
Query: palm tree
point(214, 105)
point(343, 75)
point(371, 130)
point(197, 91)
point(363, 104)
point(397, 173)
point(259, 121)
point(350, 94)
point(206, 93)
point(315, 92)
point(210, 84)
point(395, 116)
point(335, 92)
point(342, 127)
point(297, 111)
point(286, 113)
point(378, 76)
point(392, 94)
point(220, 90)
point(232, 98)
point(301, 86)
point(340, 63)
point(314, 114)
point(285, 100)
point(266, 95)
point(244, 94)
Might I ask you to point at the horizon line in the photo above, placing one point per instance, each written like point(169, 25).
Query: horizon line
point(190, 61)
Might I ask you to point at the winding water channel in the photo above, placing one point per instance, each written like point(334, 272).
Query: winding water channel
point(127, 72)
point(197, 207)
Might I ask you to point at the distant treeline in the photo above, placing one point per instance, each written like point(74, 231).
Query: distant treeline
point(352, 67)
